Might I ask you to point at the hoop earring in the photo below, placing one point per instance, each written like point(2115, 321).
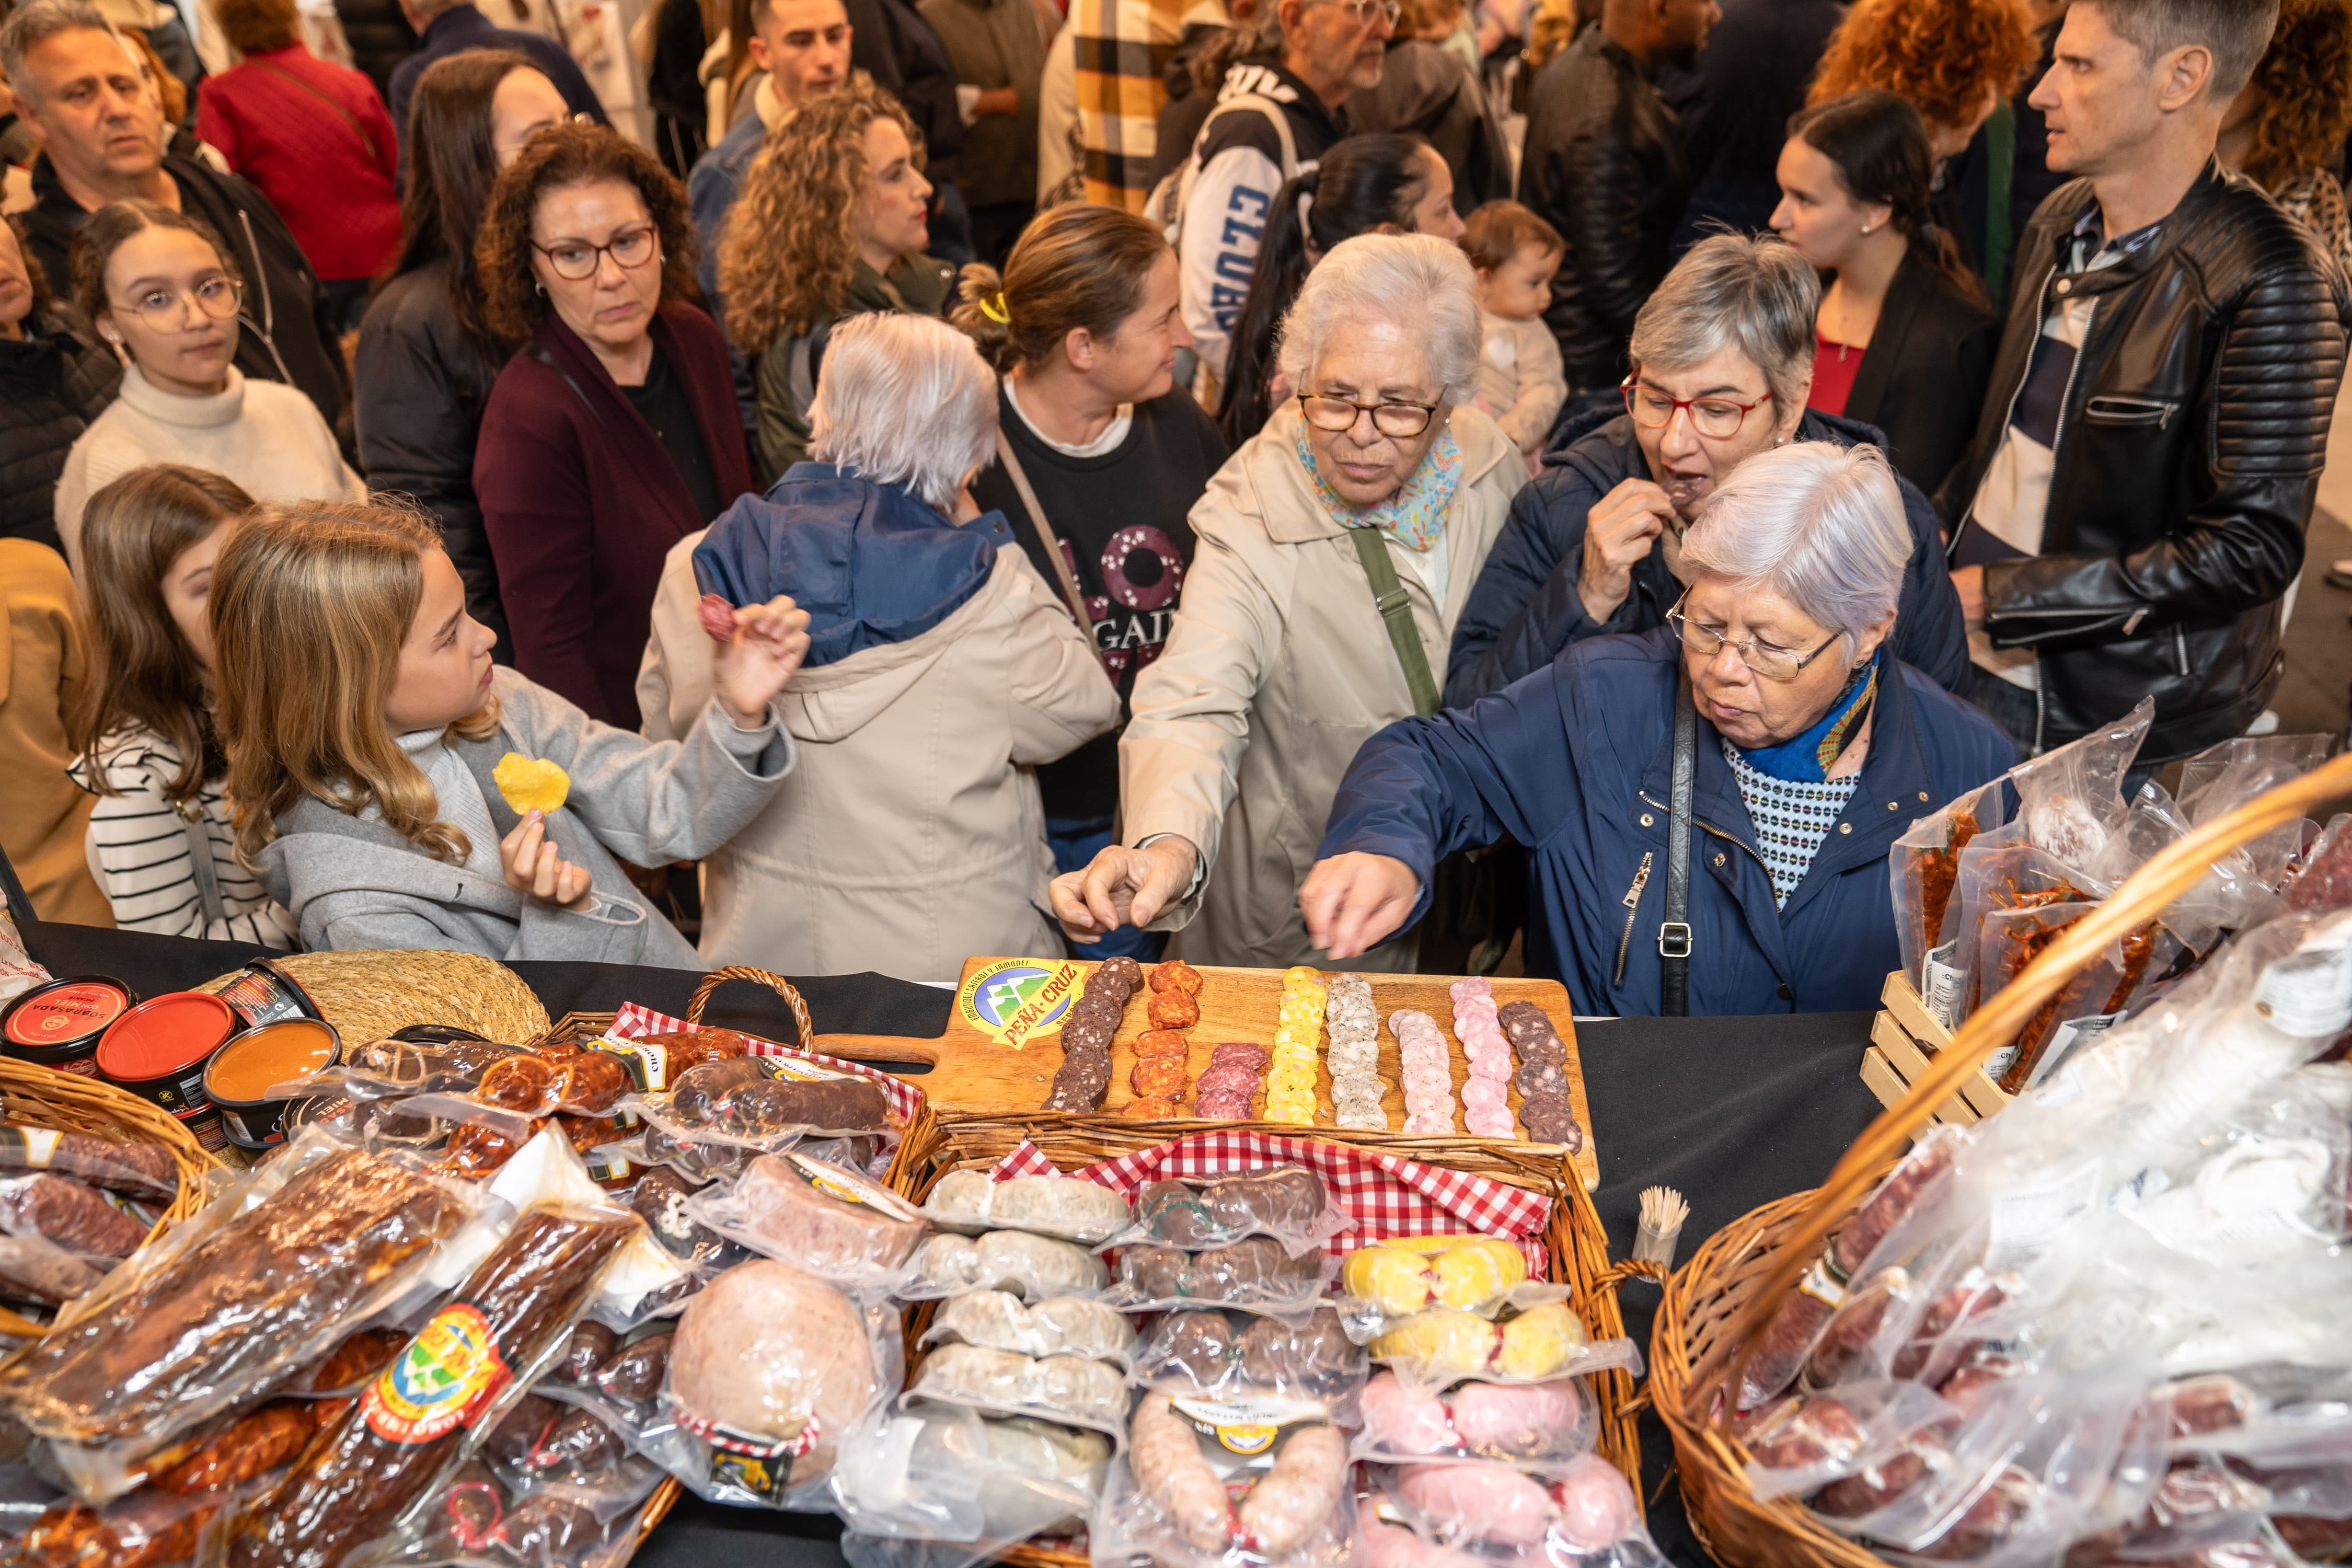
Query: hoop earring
point(540, 288)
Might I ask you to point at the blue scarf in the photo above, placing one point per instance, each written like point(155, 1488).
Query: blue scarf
point(1807, 758)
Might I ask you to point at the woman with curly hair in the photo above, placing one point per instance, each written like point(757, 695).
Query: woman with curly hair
point(2284, 123)
point(613, 432)
point(1954, 61)
point(832, 221)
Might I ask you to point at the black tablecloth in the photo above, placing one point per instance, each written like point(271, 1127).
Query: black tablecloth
point(1733, 1112)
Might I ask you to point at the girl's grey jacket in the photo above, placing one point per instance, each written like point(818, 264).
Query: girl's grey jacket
point(352, 882)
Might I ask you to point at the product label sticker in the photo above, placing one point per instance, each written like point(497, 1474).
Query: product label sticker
point(66, 1013)
point(34, 1146)
point(1247, 1427)
point(1939, 985)
point(2069, 1038)
point(796, 1069)
point(765, 1480)
point(1014, 1000)
point(1816, 1282)
point(449, 1372)
point(838, 1183)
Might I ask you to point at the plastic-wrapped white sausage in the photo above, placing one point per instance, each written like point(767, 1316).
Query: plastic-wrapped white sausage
point(1299, 1493)
point(1166, 1461)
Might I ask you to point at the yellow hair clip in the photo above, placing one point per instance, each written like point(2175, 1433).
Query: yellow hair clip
point(993, 306)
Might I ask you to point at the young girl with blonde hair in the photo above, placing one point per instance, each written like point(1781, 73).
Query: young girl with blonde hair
point(365, 725)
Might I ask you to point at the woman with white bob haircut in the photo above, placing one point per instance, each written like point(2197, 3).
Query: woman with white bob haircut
point(1813, 747)
point(1337, 547)
point(941, 669)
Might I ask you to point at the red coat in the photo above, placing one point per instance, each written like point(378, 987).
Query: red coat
point(315, 138)
point(582, 501)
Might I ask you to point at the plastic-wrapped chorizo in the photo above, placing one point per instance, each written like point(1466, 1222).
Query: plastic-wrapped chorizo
point(514, 1311)
point(68, 1214)
point(136, 1170)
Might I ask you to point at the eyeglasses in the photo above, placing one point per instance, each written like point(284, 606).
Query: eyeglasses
point(1401, 420)
point(1362, 12)
point(1771, 663)
point(574, 259)
point(1716, 418)
point(166, 309)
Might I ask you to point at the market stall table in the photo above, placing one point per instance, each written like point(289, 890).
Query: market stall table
point(1731, 1111)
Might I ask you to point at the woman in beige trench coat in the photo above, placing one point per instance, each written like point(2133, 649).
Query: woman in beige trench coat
point(1280, 663)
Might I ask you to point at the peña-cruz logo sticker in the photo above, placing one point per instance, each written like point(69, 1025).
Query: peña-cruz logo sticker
point(441, 1382)
point(1013, 1000)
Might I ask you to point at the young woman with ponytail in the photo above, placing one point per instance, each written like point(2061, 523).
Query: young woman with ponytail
point(1082, 328)
point(1904, 336)
point(1366, 184)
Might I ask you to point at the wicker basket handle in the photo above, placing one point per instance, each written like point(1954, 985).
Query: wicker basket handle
point(776, 983)
point(2170, 873)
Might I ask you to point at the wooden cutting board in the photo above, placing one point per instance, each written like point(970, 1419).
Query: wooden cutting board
point(995, 1059)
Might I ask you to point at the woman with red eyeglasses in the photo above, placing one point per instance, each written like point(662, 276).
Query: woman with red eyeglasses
point(1723, 360)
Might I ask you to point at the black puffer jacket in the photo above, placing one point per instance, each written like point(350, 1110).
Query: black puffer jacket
point(1423, 91)
point(422, 383)
point(1604, 166)
point(2190, 448)
point(54, 380)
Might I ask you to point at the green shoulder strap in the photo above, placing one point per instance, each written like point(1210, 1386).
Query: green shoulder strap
point(2000, 176)
point(1396, 609)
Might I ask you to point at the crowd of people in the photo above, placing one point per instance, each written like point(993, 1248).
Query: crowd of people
point(953, 510)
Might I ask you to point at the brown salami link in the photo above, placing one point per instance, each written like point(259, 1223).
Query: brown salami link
point(391, 1447)
point(70, 1214)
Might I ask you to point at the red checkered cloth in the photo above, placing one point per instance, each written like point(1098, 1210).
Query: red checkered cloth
point(1388, 1197)
point(904, 1098)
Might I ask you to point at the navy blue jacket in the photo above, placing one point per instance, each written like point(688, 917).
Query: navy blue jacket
point(871, 563)
point(464, 27)
point(1576, 762)
point(1524, 608)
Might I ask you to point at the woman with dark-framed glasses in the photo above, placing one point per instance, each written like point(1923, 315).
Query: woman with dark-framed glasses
point(164, 291)
point(1723, 362)
point(1335, 549)
point(1814, 747)
point(613, 432)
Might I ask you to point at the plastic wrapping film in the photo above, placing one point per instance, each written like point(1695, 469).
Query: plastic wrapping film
point(1034, 1267)
point(717, 1118)
point(1257, 1272)
point(321, 1239)
point(1386, 1282)
point(1224, 1483)
point(1214, 1354)
point(1581, 1515)
point(1058, 1325)
point(1530, 1425)
point(971, 1202)
point(817, 1216)
point(943, 1487)
point(1288, 1203)
point(1535, 1338)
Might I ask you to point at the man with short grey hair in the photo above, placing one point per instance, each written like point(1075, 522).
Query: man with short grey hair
point(2131, 512)
point(103, 140)
point(1722, 360)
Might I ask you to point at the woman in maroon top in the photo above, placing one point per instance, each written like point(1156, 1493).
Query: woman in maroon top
point(315, 138)
point(613, 432)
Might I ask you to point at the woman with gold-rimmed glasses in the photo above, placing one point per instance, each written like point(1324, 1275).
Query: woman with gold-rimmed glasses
point(614, 433)
point(1335, 549)
point(1723, 360)
point(1815, 748)
point(163, 292)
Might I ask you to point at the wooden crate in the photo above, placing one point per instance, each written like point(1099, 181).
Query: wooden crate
point(1903, 1039)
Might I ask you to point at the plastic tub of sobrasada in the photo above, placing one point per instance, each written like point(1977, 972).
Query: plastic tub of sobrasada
point(58, 1025)
point(264, 992)
point(238, 1079)
point(159, 1050)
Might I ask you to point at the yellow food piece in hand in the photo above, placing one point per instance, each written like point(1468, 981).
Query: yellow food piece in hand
point(531, 784)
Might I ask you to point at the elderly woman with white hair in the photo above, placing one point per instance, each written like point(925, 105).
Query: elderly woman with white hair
point(1773, 688)
point(1723, 365)
point(941, 669)
point(1337, 547)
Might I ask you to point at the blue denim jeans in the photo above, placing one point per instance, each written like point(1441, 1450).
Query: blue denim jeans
point(1076, 843)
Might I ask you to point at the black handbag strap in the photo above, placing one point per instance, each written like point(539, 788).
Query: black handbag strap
point(1674, 932)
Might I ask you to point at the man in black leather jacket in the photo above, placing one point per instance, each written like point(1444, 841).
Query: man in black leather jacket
point(2134, 506)
point(1604, 166)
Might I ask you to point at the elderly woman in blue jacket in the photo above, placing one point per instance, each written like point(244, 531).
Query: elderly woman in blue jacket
point(1723, 363)
point(1815, 749)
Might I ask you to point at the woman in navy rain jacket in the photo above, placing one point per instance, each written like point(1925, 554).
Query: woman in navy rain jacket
point(1723, 360)
point(1817, 748)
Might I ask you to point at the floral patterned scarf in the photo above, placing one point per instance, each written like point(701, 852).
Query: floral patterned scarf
point(1415, 515)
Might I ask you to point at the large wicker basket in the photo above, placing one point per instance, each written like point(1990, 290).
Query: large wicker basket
point(938, 1145)
point(72, 1102)
point(1717, 1305)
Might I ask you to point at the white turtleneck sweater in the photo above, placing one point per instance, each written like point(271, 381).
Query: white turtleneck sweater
point(265, 434)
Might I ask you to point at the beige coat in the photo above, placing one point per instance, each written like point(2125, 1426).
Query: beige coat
point(1277, 668)
point(909, 835)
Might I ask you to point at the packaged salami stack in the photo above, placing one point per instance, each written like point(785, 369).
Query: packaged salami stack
point(1980, 892)
point(2105, 1327)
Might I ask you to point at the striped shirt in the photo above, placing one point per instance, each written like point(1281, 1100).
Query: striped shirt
point(1791, 817)
point(138, 850)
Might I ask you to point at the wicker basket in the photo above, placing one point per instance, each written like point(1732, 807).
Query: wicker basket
point(74, 1102)
point(937, 1145)
point(1718, 1305)
point(574, 1027)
